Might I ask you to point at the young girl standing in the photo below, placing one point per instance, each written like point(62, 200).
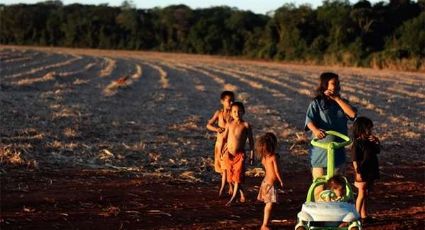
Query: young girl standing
point(365, 148)
point(266, 149)
point(217, 124)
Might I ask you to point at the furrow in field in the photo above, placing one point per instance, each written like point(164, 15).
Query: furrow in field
point(28, 57)
point(123, 82)
point(214, 77)
point(251, 84)
point(164, 82)
point(356, 94)
point(108, 66)
point(186, 71)
point(44, 68)
point(10, 56)
point(40, 59)
point(401, 120)
point(73, 69)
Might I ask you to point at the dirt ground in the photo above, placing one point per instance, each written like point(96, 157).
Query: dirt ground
point(87, 199)
point(117, 140)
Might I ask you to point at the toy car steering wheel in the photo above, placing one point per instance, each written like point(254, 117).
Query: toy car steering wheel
point(336, 145)
point(330, 147)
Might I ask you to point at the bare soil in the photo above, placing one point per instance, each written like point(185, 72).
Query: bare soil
point(116, 139)
point(100, 199)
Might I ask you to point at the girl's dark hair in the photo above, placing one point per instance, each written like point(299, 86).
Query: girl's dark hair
point(266, 145)
point(324, 80)
point(335, 182)
point(227, 94)
point(362, 127)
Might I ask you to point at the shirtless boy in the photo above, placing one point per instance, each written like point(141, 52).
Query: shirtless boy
point(237, 133)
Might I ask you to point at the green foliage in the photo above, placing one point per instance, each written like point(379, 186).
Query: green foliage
point(411, 36)
point(362, 34)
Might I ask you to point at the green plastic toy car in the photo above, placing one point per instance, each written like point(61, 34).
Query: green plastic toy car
point(329, 215)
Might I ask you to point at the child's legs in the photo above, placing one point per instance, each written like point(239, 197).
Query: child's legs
point(241, 191)
point(238, 168)
point(224, 164)
point(317, 172)
point(223, 178)
point(361, 198)
point(223, 181)
point(235, 169)
point(267, 212)
point(235, 191)
point(228, 165)
point(363, 211)
point(217, 159)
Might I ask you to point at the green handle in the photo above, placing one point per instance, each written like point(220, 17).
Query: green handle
point(330, 147)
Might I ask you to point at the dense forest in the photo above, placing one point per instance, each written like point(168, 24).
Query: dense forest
point(381, 35)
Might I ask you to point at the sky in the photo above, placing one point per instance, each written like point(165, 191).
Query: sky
point(256, 6)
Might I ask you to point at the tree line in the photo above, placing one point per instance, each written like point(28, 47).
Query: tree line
point(382, 35)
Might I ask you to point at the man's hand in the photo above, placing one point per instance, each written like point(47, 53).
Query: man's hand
point(332, 94)
point(319, 133)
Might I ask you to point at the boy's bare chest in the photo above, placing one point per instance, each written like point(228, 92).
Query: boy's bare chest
point(237, 129)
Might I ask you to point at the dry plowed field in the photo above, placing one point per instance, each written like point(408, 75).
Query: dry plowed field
point(93, 139)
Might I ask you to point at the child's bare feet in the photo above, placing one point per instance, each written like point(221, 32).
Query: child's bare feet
point(220, 192)
point(230, 192)
point(264, 227)
point(242, 199)
point(229, 203)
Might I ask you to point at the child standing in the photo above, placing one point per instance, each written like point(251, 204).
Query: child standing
point(217, 124)
point(365, 148)
point(237, 133)
point(266, 150)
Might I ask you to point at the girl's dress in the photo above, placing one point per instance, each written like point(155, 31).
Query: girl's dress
point(365, 153)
